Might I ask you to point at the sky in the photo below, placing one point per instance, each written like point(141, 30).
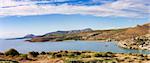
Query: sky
point(21, 17)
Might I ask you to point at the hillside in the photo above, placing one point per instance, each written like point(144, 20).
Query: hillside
point(140, 42)
point(99, 35)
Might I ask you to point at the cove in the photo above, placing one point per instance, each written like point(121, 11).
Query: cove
point(25, 47)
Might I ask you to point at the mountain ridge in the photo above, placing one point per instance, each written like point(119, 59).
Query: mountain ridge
point(100, 35)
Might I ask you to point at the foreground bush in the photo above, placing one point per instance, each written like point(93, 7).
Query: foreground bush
point(33, 54)
point(1, 53)
point(85, 56)
point(108, 54)
point(90, 61)
point(11, 52)
point(24, 56)
point(8, 61)
point(74, 61)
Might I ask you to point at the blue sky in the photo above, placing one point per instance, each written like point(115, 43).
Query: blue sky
point(21, 17)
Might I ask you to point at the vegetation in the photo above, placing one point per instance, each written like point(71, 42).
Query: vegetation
point(11, 52)
point(24, 56)
point(74, 57)
point(91, 61)
point(33, 54)
point(8, 61)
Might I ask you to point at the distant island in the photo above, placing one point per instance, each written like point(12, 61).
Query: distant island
point(25, 37)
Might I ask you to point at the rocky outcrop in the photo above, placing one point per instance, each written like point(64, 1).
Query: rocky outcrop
point(140, 42)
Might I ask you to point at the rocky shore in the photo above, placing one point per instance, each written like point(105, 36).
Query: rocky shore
point(13, 56)
point(141, 42)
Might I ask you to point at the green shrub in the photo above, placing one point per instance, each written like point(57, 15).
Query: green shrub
point(58, 55)
point(1, 53)
point(77, 53)
point(11, 52)
point(25, 56)
point(33, 54)
point(73, 61)
point(43, 53)
point(97, 55)
point(71, 55)
point(108, 54)
point(8, 61)
point(85, 56)
point(94, 61)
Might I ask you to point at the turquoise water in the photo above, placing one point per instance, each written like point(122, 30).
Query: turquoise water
point(25, 47)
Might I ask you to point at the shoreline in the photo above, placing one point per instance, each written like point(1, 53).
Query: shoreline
point(77, 40)
point(118, 43)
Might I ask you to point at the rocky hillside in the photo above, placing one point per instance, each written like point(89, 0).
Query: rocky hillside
point(140, 42)
point(116, 34)
point(61, 33)
point(101, 35)
point(139, 38)
point(139, 30)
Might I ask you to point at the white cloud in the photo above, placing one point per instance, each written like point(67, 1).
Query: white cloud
point(4, 3)
point(121, 8)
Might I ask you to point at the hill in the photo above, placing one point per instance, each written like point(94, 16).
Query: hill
point(100, 35)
